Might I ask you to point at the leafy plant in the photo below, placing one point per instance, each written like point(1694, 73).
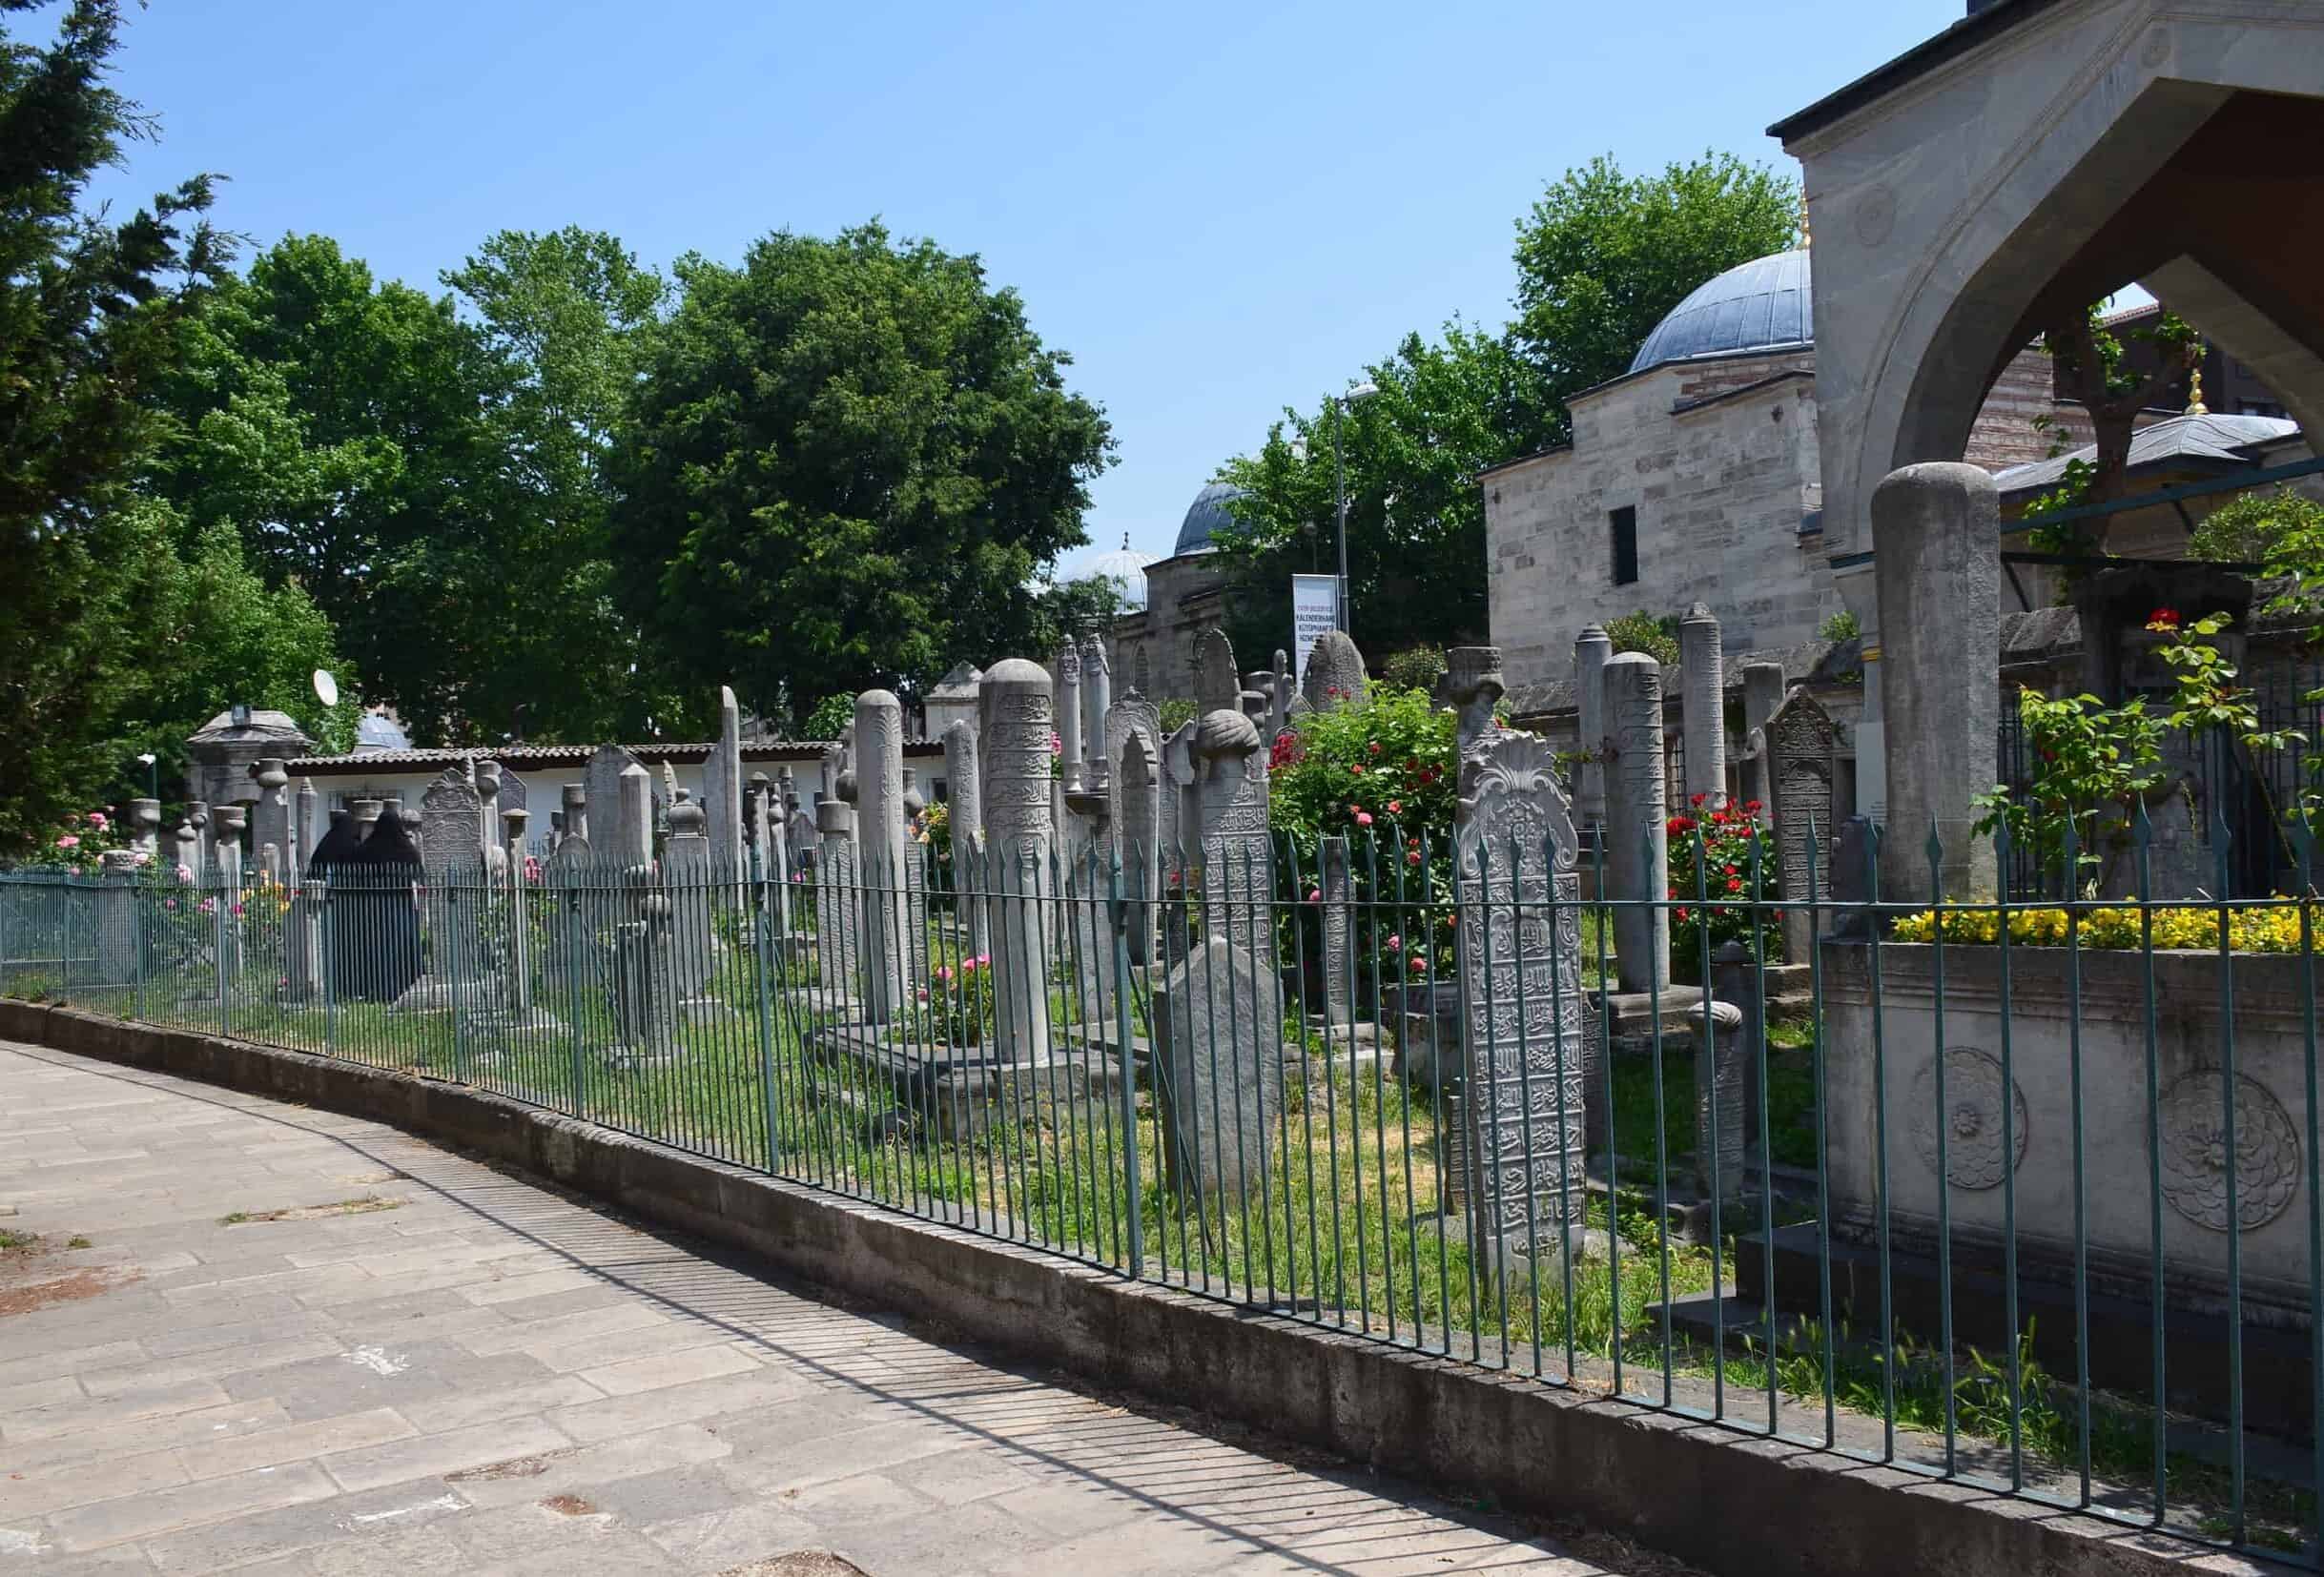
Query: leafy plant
point(1840, 626)
point(2093, 763)
point(1643, 631)
point(2283, 531)
point(1723, 855)
point(1414, 668)
point(831, 716)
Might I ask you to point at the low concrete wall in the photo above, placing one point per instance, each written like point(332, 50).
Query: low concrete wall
point(1703, 1493)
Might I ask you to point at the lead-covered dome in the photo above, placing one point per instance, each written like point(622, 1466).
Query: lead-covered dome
point(1762, 305)
point(1207, 518)
point(1126, 567)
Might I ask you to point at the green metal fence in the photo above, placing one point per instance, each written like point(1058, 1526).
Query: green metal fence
point(2017, 1196)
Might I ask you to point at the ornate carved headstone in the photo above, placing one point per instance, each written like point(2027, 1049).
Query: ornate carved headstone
point(1335, 882)
point(1230, 794)
point(1335, 673)
point(1014, 721)
point(1096, 700)
point(449, 813)
point(1801, 744)
point(1525, 1022)
point(1216, 686)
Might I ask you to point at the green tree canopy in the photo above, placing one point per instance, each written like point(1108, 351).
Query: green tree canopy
point(88, 322)
point(1603, 257)
point(846, 462)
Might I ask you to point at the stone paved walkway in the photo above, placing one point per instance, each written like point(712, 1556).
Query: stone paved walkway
point(300, 1342)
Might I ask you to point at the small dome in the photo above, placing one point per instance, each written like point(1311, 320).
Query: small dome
point(1207, 518)
point(1762, 305)
point(376, 732)
point(1126, 567)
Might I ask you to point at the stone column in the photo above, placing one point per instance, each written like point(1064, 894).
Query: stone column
point(836, 913)
point(1702, 666)
point(1934, 527)
point(1637, 840)
point(964, 816)
point(770, 837)
point(1015, 720)
point(306, 812)
point(1591, 649)
point(1336, 884)
point(1731, 1066)
point(1527, 1026)
point(1069, 712)
point(880, 844)
point(518, 971)
point(145, 817)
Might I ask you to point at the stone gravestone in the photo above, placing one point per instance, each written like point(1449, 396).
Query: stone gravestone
point(1013, 713)
point(692, 885)
point(454, 895)
point(838, 918)
point(641, 967)
point(1217, 1015)
point(601, 779)
point(1474, 684)
point(1801, 744)
point(1137, 789)
point(1526, 1024)
point(1591, 649)
point(722, 793)
point(1702, 672)
point(1637, 838)
point(1727, 1072)
point(964, 823)
point(1847, 879)
point(492, 853)
point(1335, 673)
point(270, 819)
point(1216, 686)
point(1176, 829)
point(881, 843)
point(1280, 688)
point(377, 916)
point(1337, 886)
point(1069, 717)
point(574, 797)
point(1755, 767)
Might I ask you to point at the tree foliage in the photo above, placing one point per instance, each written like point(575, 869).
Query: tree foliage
point(1603, 257)
point(847, 457)
point(90, 313)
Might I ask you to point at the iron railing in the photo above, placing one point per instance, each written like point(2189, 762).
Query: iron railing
point(2022, 1198)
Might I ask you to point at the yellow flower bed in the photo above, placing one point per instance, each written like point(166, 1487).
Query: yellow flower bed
point(2250, 928)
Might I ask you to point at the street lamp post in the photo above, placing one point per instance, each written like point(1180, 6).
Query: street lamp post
point(1339, 485)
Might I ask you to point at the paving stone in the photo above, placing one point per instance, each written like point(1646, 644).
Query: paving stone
point(603, 1419)
point(23, 1371)
point(669, 1368)
point(715, 1541)
point(210, 1365)
point(430, 1456)
point(138, 1402)
point(37, 1493)
point(285, 1531)
point(586, 1468)
point(188, 1505)
point(558, 1395)
point(293, 1442)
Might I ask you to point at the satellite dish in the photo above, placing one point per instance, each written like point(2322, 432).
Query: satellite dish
point(326, 688)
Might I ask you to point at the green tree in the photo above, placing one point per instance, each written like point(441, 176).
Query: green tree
point(89, 315)
point(846, 461)
point(1603, 257)
point(567, 315)
point(1445, 411)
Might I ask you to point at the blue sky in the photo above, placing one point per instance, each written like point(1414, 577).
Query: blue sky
point(1218, 210)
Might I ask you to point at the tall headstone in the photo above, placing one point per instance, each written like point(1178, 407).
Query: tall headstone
point(1138, 791)
point(838, 916)
point(804, 835)
point(1755, 771)
point(1216, 686)
point(1702, 670)
point(449, 814)
point(306, 825)
point(145, 825)
point(575, 799)
point(270, 818)
point(491, 845)
point(1069, 715)
point(1637, 840)
point(600, 785)
point(1335, 673)
point(1591, 650)
point(197, 817)
point(692, 885)
point(880, 844)
point(964, 823)
point(1335, 887)
point(1230, 763)
point(1014, 721)
point(1727, 1059)
point(1801, 744)
point(1096, 700)
point(1475, 685)
point(722, 792)
point(516, 969)
point(1934, 527)
point(1280, 693)
point(1526, 1023)
point(1763, 694)
point(641, 970)
point(1218, 1092)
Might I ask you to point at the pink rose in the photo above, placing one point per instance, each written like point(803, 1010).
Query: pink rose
point(68, 841)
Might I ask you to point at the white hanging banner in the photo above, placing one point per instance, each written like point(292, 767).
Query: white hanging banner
point(1315, 607)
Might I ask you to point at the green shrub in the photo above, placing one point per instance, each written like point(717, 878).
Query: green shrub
point(1414, 668)
point(1642, 631)
point(1840, 626)
point(830, 717)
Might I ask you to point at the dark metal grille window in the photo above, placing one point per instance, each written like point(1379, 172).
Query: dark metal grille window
point(1625, 523)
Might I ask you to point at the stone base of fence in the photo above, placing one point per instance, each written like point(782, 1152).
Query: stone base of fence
point(1706, 1493)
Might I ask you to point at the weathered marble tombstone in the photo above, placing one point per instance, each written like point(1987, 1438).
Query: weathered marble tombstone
point(722, 795)
point(601, 781)
point(569, 925)
point(1591, 650)
point(1764, 692)
point(964, 824)
point(516, 968)
point(1218, 1042)
point(695, 889)
point(454, 888)
point(1180, 856)
point(375, 907)
point(838, 915)
point(1014, 721)
point(1637, 838)
point(116, 921)
point(643, 1023)
point(1069, 717)
point(1800, 742)
point(880, 844)
point(1526, 1024)
point(306, 824)
point(1754, 768)
point(575, 800)
point(1702, 671)
point(804, 835)
point(1335, 887)
point(916, 855)
point(270, 817)
point(1475, 685)
point(1096, 700)
point(770, 840)
point(1938, 581)
point(1217, 686)
point(1727, 1063)
point(1335, 673)
point(197, 817)
point(145, 826)
point(188, 840)
point(1280, 688)
point(1137, 787)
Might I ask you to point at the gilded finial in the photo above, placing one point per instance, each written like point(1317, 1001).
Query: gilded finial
point(2194, 392)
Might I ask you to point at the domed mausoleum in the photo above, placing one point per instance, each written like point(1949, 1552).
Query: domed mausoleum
point(1694, 477)
point(1181, 596)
